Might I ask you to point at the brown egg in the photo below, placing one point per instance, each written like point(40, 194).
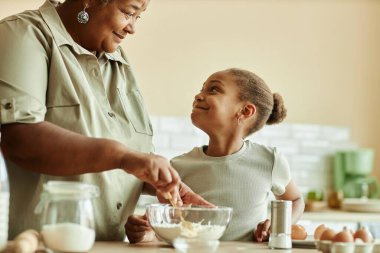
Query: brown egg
point(327, 235)
point(343, 236)
point(318, 231)
point(363, 234)
point(298, 232)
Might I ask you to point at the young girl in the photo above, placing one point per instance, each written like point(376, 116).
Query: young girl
point(231, 171)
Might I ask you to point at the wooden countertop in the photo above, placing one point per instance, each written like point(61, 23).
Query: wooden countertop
point(158, 247)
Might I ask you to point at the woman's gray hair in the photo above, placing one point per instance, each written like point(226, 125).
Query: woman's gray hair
point(101, 1)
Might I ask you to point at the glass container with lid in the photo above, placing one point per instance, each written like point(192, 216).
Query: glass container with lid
point(67, 222)
point(4, 202)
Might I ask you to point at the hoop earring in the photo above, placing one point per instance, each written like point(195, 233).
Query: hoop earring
point(83, 17)
point(239, 121)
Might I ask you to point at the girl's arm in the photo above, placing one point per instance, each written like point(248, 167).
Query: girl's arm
point(293, 193)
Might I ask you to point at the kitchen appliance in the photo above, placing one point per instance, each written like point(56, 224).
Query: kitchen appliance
point(351, 173)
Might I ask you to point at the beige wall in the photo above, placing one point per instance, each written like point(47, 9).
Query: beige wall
point(322, 56)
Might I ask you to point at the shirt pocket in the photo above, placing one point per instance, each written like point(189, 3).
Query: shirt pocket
point(135, 111)
point(63, 107)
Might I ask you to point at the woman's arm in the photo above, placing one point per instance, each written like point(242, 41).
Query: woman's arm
point(49, 149)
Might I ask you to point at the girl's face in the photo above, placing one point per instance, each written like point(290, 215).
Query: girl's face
point(109, 24)
point(216, 107)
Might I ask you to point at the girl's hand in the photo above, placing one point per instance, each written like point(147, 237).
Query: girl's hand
point(262, 232)
point(188, 197)
point(153, 169)
point(138, 229)
point(183, 196)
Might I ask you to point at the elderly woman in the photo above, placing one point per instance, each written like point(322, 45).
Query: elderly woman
point(71, 110)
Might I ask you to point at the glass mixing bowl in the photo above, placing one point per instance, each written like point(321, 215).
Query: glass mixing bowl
point(194, 222)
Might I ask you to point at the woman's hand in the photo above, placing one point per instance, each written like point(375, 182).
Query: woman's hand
point(153, 169)
point(262, 232)
point(183, 195)
point(138, 229)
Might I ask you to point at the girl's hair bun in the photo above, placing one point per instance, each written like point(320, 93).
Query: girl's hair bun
point(279, 111)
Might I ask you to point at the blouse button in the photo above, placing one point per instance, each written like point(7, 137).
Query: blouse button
point(111, 114)
point(95, 72)
point(8, 106)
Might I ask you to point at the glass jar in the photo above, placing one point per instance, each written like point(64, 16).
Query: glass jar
point(4, 203)
point(67, 222)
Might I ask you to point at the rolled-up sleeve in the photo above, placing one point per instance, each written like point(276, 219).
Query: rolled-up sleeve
point(281, 173)
point(23, 73)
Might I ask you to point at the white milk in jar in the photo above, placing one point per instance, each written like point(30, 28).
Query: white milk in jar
point(68, 237)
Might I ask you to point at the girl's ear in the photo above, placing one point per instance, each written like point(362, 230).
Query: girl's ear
point(248, 110)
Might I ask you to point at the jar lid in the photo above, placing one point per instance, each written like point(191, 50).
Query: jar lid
point(66, 190)
point(71, 188)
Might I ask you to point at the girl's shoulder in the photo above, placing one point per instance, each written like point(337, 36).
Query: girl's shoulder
point(192, 154)
point(260, 148)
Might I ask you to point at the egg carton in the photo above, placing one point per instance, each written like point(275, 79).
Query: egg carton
point(348, 247)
